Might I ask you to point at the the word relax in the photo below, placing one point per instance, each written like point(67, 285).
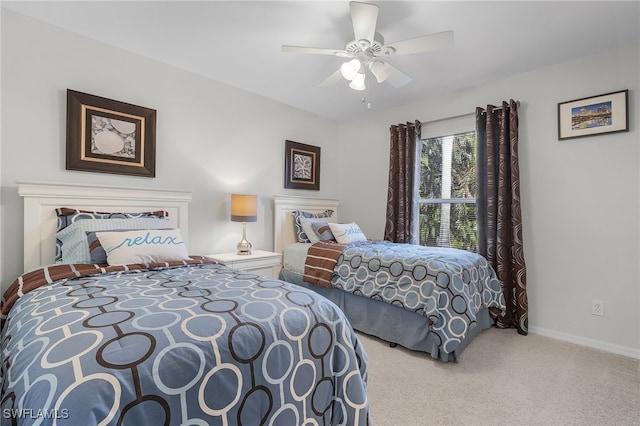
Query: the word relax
point(352, 230)
point(148, 240)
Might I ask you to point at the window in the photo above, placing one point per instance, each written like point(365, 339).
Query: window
point(447, 190)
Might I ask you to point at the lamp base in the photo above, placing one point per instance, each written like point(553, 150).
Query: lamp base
point(244, 247)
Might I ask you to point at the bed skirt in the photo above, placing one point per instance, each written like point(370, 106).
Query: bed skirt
point(389, 322)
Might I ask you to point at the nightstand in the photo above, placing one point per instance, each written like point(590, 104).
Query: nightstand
point(258, 262)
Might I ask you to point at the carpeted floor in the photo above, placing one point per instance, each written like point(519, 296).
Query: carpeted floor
point(503, 378)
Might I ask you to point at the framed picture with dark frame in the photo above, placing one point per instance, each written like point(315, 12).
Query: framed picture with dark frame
point(301, 166)
point(595, 115)
point(108, 136)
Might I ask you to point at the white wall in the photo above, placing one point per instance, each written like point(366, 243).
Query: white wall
point(211, 138)
point(579, 197)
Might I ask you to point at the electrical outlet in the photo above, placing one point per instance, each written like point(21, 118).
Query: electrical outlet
point(597, 308)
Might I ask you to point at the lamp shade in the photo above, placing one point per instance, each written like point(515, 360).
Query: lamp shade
point(244, 208)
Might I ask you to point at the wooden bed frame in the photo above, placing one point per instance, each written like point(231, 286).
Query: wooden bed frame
point(283, 233)
point(42, 198)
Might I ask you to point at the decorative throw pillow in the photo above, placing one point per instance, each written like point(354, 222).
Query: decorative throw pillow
point(297, 225)
point(307, 223)
point(96, 251)
point(67, 216)
point(73, 239)
point(347, 232)
point(323, 231)
point(143, 246)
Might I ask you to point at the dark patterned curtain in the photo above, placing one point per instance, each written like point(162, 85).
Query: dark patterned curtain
point(499, 216)
point(401, 204)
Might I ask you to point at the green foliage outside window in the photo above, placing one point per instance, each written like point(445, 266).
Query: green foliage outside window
point(449, 220)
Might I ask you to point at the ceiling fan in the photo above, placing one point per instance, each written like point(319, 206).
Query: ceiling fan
point(367, 51)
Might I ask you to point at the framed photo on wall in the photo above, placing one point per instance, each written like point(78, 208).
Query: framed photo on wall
point(301, 166)
point(596, 115)
point(108, 136)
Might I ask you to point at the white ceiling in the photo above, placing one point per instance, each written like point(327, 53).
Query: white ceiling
point(238, 42)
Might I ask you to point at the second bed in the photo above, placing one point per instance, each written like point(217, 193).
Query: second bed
point(426, 299)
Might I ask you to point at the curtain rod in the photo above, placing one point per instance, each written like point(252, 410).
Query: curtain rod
point(459, 116)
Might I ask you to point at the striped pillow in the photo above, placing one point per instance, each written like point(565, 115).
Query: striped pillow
point(323, 231)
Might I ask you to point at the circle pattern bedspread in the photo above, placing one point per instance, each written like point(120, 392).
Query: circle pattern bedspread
point(198, 344)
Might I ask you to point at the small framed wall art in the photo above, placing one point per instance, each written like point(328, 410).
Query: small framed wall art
point(301, 166)
point(108, 136)
point(608, 113)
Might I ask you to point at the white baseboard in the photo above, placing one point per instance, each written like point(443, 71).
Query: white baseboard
point(583, 341)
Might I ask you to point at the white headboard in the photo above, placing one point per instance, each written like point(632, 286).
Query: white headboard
point(283, 219)
point(41, 199)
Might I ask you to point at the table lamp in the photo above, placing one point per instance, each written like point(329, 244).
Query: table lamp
point(244, 208)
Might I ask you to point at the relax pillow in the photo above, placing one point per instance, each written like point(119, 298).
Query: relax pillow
point(297, 225)
point(143, 246)
point(347, 232)
point(96, 251)
point(68, 216)
point(73, 239)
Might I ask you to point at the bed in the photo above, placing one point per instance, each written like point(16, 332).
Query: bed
point(163, 341)
point(441, 320)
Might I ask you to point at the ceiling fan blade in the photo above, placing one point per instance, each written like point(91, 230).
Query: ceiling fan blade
point(364, 17)
point(426, 43)
point(332, 79)
point(384, 71)
point(314, 50)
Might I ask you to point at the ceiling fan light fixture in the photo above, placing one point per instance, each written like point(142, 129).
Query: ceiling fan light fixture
point(358, 82)
point(350, 69)
point(380, 71)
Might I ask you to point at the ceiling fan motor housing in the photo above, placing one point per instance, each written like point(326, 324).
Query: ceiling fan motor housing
point(368, 48)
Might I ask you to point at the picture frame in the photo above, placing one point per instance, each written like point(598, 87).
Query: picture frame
point(301, 166)
point(109, 136)
point(595, 115)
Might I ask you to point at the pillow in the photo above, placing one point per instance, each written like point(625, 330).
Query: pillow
point(347, 232)
point(323, 231)
point(96, 251)
point(143, 246)
point(67, 216)
point(306, 223)
point(97, 254)
point(73, 238)
point(297, 226)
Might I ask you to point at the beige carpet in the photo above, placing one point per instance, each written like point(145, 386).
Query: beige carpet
point(503, 378)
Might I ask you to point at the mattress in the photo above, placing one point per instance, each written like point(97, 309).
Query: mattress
point(294, 256)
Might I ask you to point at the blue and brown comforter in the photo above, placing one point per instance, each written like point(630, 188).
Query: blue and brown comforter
point(169, 344)
point(448, 286)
